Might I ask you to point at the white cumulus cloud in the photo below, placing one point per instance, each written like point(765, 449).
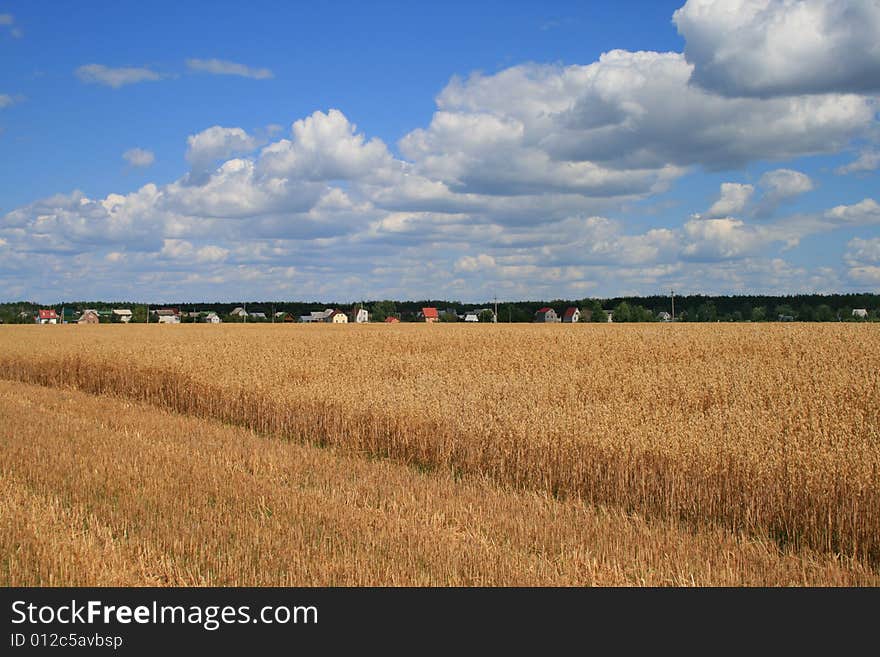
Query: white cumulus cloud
point(734, 197)
point(782, 47)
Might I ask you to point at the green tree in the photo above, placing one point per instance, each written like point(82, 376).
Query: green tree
point(759, 313)
point(824, 313)
point(486, 316)
point(784, 309)
point(706, 312)
point(623, 312)
point(383, 309)
point(592, 311)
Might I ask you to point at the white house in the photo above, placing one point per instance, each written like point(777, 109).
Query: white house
point(471, 316)
point(212, 318)
point(47, 316)
point(239, 312)
point(121, 315)
point(337, 317)
point(168, 316)
point(546, 315)
point(664, 316)
point(360, 316)
point(861, 313)
point(571, 315)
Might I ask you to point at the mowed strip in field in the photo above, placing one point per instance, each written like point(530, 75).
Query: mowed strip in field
point(771, 430)
point(103, 491)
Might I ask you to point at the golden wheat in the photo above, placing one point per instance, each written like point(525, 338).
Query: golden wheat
point(104, 491)
point(767, 429)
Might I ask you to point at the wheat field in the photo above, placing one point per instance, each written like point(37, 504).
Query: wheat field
point(586, 454)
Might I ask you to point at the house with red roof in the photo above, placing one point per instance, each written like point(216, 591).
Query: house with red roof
point(431, 315)
point(46, 316)
point(571, 315)
point(392, 320)
point(546, 315)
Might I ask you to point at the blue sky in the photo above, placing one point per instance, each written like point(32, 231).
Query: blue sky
point(349, 150)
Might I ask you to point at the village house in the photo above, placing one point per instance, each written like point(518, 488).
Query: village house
point(664, 316)
point(238, 312)
point(337, 317)
point(471, 316)
point(260, 317)
point(46, 316)
point(392, 320)
point(316, 316)
point(546, 316)
point(360, 316)
point(168, 316)
point(121, 315)
point(211, 318)
point(610, 315)
point(571, 315)
point(430, 315)
point(860, 313)
point(89, 316)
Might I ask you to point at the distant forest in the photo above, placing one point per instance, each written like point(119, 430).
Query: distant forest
point(691, 308)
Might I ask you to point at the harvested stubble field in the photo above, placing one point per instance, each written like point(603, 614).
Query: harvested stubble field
point(714, 454)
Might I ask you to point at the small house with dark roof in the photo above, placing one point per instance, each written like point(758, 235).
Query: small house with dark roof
point(571, 315)
point(168, 316)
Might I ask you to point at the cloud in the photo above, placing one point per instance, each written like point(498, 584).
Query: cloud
point(139, 157)
point(733, 200)
point(720, 239)
point(525, 183)
point(175, 249)
point(765, 48)
point(8, 20)
point(626, 125)
point(474, 263)
point(217, 143)
point(114, 77)
point(868, 160)
point(779, 186)
point(860, 251)
point(7, 100)
point(223, 67)
point(326, 146)
point(863, 259)
point(864, 213)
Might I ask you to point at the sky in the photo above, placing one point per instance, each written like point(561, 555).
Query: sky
point(347, 150)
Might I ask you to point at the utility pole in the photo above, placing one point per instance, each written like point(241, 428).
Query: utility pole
point(672, 292)
point(495, 316)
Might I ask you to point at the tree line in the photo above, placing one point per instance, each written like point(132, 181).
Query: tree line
point(688, 308)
